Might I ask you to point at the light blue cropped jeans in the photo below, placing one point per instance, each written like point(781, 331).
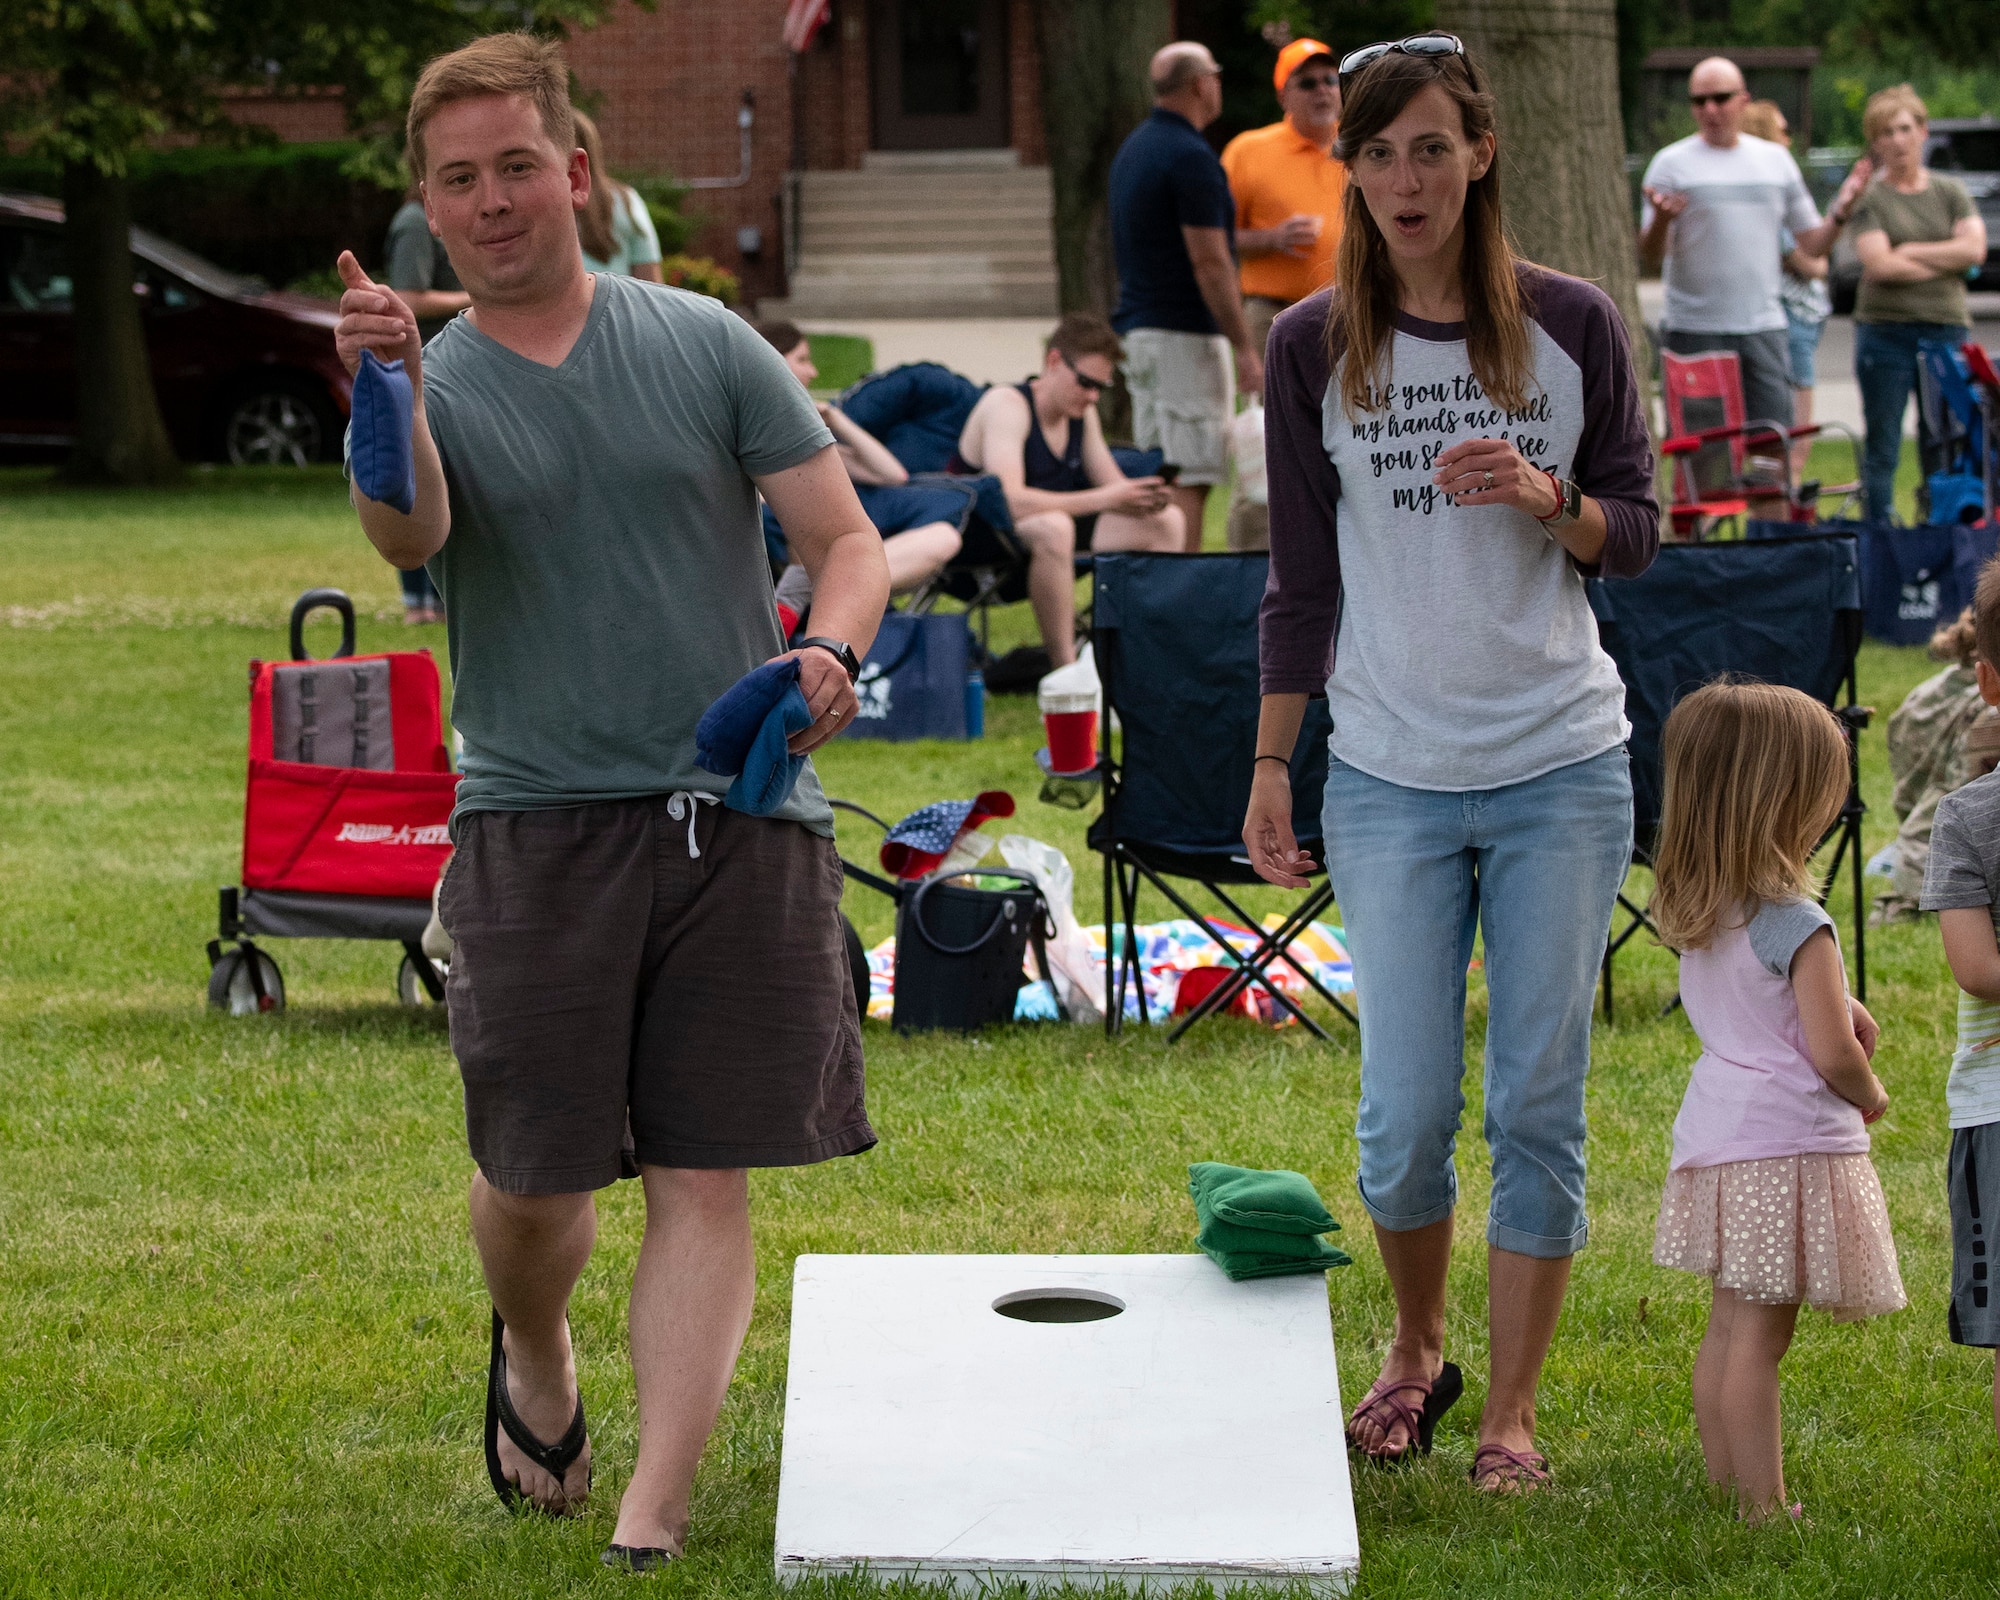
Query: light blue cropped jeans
point(1536, 866)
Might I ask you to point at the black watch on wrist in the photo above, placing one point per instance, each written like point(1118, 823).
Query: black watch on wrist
point(840, 650)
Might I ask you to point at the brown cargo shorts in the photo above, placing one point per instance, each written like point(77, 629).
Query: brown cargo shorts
point(602, 975)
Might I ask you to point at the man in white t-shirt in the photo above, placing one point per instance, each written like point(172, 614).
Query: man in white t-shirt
point(1716, 206)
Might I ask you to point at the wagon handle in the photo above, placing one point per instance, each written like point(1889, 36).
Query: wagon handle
point(311, 601)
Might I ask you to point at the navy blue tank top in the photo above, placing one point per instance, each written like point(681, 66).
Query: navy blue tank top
point(1042, 468)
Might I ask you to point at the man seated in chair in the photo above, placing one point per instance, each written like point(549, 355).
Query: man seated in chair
point(1043, 441)
point(919, 523)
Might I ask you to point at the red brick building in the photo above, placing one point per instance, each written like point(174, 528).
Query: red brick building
point(882, 76)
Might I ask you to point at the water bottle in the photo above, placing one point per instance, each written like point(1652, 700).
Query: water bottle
point(975, 704)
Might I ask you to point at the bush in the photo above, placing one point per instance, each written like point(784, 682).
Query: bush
point(701, 275)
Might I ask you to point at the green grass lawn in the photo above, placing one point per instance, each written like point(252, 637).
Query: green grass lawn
point(242, 1334)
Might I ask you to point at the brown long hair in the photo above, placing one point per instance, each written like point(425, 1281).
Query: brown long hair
point(593, 222)
point(1756, 774)
point(1363, 317)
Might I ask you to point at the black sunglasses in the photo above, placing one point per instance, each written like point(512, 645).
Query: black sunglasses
point(1422, 44)
point(1318, 80)
point(1721, 99)
point(1094, 385)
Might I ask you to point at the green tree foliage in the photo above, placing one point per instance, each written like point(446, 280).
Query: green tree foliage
point(92, 82)
point(1949, 49)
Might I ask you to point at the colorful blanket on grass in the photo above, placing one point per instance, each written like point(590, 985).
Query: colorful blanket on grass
point(1166, 950)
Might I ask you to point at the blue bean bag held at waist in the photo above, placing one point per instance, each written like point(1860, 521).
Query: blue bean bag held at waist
point(383, 465)
point(742, 736)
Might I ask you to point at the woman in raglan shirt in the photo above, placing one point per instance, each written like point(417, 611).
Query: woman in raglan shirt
point(1454, 442)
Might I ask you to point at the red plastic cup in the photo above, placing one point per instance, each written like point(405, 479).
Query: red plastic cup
point(1072, 739)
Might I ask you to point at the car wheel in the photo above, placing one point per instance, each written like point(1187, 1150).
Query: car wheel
point(278, 424)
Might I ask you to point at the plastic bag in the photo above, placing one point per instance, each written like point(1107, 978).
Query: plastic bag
point(1076, 972)
point(1246, 448)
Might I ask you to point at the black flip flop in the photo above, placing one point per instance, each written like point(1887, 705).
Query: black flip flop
point(555, 1459)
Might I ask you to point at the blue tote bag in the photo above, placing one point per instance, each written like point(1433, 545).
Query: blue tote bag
point(912, 685)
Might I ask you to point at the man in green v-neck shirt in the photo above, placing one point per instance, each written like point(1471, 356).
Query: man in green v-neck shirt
point(641, 978)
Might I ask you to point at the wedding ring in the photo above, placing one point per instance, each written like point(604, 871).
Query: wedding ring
point(1489, 481)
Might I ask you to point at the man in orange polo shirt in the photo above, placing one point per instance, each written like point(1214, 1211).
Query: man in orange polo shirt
point(1288, 192)
point(1288, 188)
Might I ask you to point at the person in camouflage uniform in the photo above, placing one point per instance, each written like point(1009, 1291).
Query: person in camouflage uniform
point(1940, 738)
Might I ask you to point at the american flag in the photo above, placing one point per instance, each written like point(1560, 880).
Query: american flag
point(803, 20)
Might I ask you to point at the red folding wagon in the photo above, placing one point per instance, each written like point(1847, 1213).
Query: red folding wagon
point(344, 817)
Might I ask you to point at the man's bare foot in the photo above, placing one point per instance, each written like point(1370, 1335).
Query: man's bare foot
point(542, 1388)
point(1382, 1433)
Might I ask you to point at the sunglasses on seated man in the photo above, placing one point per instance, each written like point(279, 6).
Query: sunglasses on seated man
point(1093, 385)
point(1422, 44)
point(1721, 98)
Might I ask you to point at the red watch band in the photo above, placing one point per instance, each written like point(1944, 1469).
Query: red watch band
point(1556, 488)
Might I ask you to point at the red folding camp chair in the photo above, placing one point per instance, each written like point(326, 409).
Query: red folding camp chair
point(1718, 474)
point(344, 820)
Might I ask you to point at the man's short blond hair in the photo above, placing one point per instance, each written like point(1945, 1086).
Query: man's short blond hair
point(500, 63)
point(1883, 106)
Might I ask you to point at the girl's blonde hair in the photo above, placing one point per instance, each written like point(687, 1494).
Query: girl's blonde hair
point(1755, 776)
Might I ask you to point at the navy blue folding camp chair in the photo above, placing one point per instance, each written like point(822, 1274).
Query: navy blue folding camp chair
point(1176, 649)
point(1784, 611)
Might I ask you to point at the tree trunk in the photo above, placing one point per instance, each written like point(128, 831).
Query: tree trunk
point(1553, 65)
point(120, 435)
point(1094, 93)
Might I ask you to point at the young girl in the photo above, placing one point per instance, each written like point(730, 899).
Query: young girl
point(1771, 1192)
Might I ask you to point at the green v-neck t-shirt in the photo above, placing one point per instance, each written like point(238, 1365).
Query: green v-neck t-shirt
point(605, 576)
point(1926, 217)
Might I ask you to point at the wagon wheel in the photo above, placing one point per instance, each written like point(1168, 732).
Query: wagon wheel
point(410, 986)
point(231, 987)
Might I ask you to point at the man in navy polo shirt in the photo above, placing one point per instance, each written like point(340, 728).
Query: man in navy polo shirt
point(1172, 235)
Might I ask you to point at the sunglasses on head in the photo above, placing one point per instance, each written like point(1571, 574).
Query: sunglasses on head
point(1093, 385)
point(1422, 44)
point(1721, 99)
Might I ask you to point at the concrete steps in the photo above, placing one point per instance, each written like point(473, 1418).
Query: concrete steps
point(923, 234)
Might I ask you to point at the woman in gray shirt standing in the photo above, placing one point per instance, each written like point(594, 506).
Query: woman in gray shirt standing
point(1454, 441)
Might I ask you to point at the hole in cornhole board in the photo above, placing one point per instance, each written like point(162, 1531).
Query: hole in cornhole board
point(1189, 1438)
point(1058, 1305)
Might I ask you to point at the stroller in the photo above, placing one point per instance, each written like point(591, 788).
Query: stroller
point(344, 820)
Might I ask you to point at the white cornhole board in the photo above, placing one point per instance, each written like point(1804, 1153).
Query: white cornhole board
point(1195, 1437)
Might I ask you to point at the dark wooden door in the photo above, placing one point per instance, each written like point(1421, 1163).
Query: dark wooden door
point(939, 73)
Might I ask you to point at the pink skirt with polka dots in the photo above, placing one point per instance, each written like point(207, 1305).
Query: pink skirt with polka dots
point(1809, 1229)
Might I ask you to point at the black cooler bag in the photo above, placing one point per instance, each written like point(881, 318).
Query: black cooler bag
point(959, 952)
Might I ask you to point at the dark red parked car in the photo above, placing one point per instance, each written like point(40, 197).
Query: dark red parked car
point(244, 373)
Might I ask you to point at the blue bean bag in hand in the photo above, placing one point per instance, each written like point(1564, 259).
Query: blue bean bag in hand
point(742, 736)
point(383, 465)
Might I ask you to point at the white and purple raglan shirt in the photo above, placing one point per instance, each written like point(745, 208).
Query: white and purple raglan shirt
point(1455, 644)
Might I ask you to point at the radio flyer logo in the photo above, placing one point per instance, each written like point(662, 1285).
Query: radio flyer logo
point(435, 833)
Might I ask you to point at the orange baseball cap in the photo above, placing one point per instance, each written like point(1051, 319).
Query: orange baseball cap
point(1295, 55)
